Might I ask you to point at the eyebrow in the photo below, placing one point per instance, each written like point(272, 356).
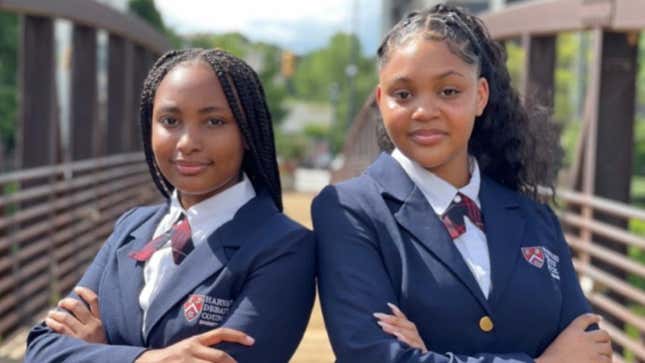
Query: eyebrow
point(405, 79)
point(204, 110)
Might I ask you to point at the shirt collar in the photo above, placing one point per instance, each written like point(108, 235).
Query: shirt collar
point(208, 215)
point(437, 191)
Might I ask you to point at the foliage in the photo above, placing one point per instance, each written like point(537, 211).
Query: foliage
point(8, 79)
point(263, 57)
point(639, 147)
point(321, 72)
point(515, 62)
point(291, 147)
point(640, 84)
point(147, 10)
point(316, 131)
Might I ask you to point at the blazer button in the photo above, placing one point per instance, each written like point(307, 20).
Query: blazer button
point(486, 324)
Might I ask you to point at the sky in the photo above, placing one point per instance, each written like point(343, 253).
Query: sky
point(298, 25)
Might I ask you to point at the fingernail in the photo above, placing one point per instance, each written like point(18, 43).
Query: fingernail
point(250, 340)
point(380, 315)
point(392, 306)
point(384, 324)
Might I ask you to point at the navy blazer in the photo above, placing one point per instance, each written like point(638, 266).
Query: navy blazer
point(379, 241)
point(256, 274)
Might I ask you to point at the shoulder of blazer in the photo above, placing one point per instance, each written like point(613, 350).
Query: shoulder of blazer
point(539, 214)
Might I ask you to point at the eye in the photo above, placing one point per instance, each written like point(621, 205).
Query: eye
point(169, 122)
point(450, 92)
point(215, 122)
point(402, 95)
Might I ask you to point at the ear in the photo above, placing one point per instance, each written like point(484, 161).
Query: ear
point(378, 93)
point(482, 95)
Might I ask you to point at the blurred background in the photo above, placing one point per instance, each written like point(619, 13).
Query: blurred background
point(71, 162)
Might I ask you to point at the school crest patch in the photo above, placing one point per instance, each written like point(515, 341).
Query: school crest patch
point(534, 256)
point(193, 307)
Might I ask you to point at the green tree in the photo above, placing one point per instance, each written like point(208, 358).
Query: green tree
point(8, 79)
point(234, 43)
point(263, 56)
point(147, 10)
point(321, 70)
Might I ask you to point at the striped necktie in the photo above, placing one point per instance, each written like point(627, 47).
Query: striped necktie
point(453, 217)
point(180, 239)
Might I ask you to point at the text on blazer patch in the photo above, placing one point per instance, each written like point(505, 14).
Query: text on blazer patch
point(537, 255)
point(209, 310)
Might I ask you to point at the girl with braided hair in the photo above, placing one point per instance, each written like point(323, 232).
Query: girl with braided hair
point(447, 232)
point(216, 273)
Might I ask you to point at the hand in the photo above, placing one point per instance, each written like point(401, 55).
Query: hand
point(402, 328)
point(79, 321)
point(197, 349)
point(575, 345)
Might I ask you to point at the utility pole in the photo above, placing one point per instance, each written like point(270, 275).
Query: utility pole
point(352, 67)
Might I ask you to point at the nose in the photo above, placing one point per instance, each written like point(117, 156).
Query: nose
point(190, 139)
point(424, 110)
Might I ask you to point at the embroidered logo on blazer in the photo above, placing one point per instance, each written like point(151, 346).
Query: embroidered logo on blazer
point(193, 307)
point(534, 256)
point(210, 310)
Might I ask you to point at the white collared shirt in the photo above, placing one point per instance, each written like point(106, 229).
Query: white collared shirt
point(204, 218)
point(472, 245)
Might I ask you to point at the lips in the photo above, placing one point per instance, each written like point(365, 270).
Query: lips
point(428, 137)
point(190, 168)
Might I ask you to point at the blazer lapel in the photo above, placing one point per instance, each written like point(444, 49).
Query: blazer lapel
point(209, 258)
point(417, 217)
point(130, 271)
point(504, 227)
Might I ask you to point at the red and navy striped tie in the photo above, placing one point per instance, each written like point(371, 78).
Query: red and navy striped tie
point(181, 243)
point(453, 217)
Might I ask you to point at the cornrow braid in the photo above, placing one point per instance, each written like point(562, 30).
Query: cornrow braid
point(245, 96)
point(517, 145)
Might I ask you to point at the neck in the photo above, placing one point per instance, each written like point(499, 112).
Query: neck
point(454, 171)
point(188, 200)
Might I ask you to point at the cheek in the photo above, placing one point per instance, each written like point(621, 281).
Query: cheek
point(229, 146)
point(395, 124)
point(162, 140)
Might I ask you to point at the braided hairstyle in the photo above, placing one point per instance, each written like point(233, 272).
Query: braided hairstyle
point(514, 144)
point(245, 96)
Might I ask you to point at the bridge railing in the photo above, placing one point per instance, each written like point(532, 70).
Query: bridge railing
point(609, 276)
point(53, 220)
point(58, 209)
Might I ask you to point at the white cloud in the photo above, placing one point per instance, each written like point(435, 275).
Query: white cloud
point(296, 24)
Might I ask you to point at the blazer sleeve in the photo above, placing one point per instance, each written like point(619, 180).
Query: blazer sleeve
point(47, 346)
point(275, 302)
point(574, 302)
point(354, 284)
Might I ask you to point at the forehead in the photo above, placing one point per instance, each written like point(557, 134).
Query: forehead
point(188, 83)
point(418, 55)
